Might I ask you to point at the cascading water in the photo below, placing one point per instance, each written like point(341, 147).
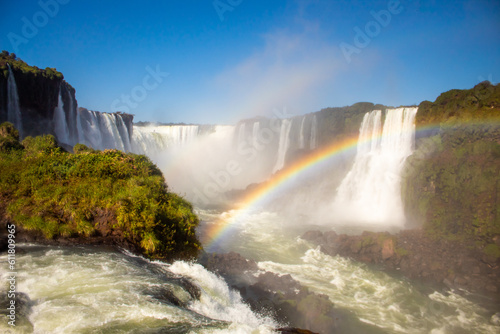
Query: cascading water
point(284, 143)
point(60, 122)
point(92, 290)
point(370, 192)
point(241, 135)
point(152, 140)
point(302, 143)
point(103, 131)
point(13, 109)
point(255, 135)
point(314, 133)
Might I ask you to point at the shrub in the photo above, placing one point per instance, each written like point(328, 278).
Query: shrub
point(95, 192)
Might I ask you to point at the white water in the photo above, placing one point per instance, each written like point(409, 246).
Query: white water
point(13, 109)
point(370, 193)
point(314, 133)
point(255, 135)
point(90, 290)
point(284, 143)
point(60, 122)
point(301, 134)
point(377, 302)
point(103, 130)
point(156, 139)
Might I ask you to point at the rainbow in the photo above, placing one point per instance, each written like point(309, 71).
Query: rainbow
point(218, 229)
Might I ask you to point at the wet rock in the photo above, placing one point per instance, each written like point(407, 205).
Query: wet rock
point(165, 295)
point(387, 249)
point(291, 330)
point(191, 288)
point(312, 235)
point(279, 296)
point(495, 319)
point(228, 264)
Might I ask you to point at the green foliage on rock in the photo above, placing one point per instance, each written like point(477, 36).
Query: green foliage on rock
point(451, 184)
point(9, 138)
point(94, 193)
point(480, 102)
point(18, 64)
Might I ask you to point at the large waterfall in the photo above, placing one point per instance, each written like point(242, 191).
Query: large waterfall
point(155, 139)
point(13, 109)
point(370, 193)
point(103, 131)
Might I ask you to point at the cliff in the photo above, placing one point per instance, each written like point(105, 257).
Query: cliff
point(39, 94)
point(451, 184)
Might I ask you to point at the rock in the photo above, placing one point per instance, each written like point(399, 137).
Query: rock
point(232, 264)
point(495, 319)
point(291, 330)
point(193, 290)
point(312, 235)
point(387, 249)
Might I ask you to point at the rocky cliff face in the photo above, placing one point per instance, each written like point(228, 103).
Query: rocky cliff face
point(40, 93)
point(451, 184)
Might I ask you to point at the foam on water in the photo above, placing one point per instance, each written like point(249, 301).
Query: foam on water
point(87, 290)
point(390, 304)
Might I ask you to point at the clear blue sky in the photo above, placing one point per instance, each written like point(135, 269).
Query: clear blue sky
point(250, 57)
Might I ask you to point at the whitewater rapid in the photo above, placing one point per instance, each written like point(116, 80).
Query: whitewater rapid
point(386, 304)
point(94, 290)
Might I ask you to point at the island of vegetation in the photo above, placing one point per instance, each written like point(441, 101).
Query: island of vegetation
point(89, 196)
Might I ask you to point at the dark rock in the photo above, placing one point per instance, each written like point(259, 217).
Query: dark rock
point(193, 290)
point(165, 295)
point(228, 264)
point(291, 330)
point(312, 235)
point(280, 296)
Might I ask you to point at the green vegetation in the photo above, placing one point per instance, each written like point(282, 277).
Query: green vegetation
point(17, 64)
point(337, 123)
point(93, 193)
point(451, 184)
point(479, 103)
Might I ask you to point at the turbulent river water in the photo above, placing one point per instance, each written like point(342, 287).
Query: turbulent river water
point(97, 290)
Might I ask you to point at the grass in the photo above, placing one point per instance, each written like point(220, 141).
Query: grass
point(92, 193)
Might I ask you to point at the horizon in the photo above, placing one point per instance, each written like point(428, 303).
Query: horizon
point(222, 61)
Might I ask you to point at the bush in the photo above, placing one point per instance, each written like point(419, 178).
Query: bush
point(95, 193)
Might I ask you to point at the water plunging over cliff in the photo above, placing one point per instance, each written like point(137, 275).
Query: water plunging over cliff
point(284, 143)
point(13, 109)
point(60, 122)
point(155, 139)
point(370, 193)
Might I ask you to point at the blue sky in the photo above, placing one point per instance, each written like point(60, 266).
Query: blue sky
point(224, 60)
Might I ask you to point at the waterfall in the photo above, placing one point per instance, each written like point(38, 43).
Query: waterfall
point(284, 143)
point(155, 139)
point(241, 134)
point(60, 122)
point(255, 135)
point(301, 134)
point(13, 109)
point(103, 131)
point(72, 119)
point(123, 131)
point(314, 129)
point(370, 192)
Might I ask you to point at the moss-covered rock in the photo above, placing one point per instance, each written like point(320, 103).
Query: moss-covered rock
point(450, 185)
